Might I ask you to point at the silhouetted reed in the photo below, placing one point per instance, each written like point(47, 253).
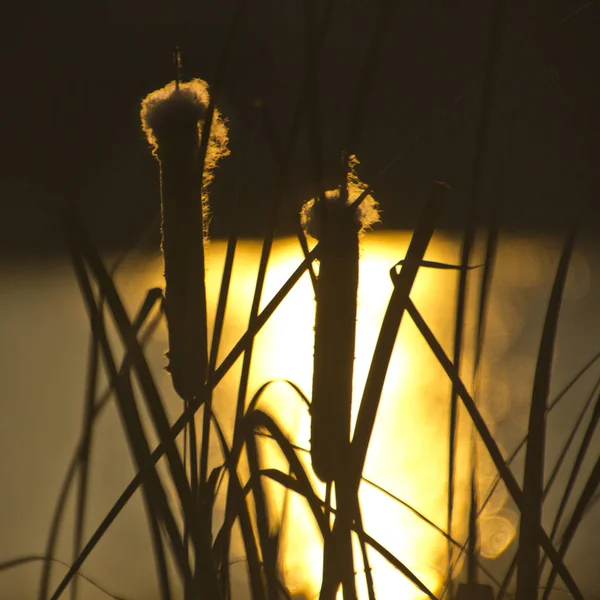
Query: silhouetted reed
point(172, 119)
point(337, 225)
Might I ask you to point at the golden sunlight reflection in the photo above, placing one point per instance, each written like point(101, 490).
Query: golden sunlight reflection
point(408, 455)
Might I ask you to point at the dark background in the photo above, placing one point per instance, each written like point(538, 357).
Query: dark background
point(74, 74)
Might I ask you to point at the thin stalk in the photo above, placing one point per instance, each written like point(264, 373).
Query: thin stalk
point(88, 420)
point(481, 146)
point(528, 574)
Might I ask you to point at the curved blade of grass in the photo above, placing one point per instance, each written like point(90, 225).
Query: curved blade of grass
point(411, 508)
point(257, 419)
point(253, 404)
point(24, 560)
point(302, 486)
point(244, 517)
point(267, 542)
point(290, 448)
point(250, 421)
point(399, 565)
point(528, 574)
point(492, 447)
point(314, 501)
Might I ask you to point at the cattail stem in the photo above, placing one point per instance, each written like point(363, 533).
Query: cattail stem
point(335, 322)
point(183, 251)
point(337, 223)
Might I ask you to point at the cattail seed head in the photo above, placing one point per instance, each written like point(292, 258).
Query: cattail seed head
point(364, 216)
point(172, 119)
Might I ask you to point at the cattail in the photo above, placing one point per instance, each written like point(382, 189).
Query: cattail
point(172, 119)
point(338, 226)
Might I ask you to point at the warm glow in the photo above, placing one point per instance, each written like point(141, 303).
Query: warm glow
point(409, 451)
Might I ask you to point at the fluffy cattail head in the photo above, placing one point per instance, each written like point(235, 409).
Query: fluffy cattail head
point(172, 119)
point(336, 210)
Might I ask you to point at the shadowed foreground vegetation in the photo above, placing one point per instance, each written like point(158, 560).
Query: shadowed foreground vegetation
point(208, 483)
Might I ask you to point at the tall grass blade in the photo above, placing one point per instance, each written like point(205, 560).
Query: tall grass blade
point(216, 339)
point(267, 542)
point(481, 148)
point(88, 421)
point(528, 575)
point(389, 330)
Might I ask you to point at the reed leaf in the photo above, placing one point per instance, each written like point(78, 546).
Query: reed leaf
point(24, 560)
point(528, 575)
point(389, 329)
point(267, 541)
